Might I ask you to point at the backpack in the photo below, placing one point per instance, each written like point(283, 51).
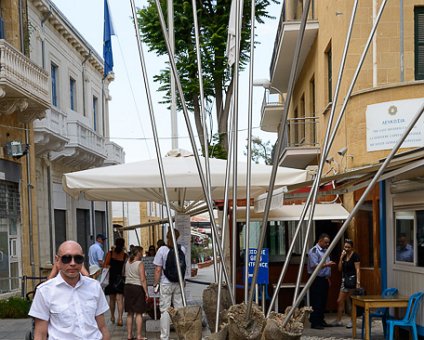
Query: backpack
point(171, 271)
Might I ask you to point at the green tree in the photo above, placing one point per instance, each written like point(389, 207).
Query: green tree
point(213, 17)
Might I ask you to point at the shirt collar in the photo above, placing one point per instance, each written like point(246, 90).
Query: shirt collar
point(319, 248)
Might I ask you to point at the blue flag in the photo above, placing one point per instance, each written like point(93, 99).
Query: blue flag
point(107, 41)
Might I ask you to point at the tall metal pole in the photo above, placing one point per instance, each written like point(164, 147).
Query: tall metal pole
point(278, 150)
point(325, 147)
point(171, 36)
point(157, 147)
point(239, 11)
point(204, 125)
point(249, 153)
point(207, 198)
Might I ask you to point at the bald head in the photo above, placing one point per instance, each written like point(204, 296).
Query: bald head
point(69, 247)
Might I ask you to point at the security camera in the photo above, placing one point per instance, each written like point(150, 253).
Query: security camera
point(342, 151)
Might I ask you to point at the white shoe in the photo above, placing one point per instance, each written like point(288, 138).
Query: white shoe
point(349, 324)
point(337, 324)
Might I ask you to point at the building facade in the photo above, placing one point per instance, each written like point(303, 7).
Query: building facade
point(373, 112)
point(24, 97)
point(73, 136)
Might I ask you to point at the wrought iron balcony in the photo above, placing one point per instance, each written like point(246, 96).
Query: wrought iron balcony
point(24, 86)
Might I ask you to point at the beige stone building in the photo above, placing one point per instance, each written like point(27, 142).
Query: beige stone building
point(73, 136)
point(387, 93)
point(24, 97)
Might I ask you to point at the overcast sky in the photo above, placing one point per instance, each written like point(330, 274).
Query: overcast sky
point(129, 117)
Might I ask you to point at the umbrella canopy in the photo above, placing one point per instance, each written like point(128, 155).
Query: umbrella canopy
point(140, 181)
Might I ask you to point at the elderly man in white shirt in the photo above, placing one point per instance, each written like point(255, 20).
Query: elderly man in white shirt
point(70, 306)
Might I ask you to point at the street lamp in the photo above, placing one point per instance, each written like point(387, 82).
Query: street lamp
point(266, 84)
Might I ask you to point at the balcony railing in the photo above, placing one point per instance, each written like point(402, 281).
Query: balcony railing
point(50, 132)
point(115, 154)
point(302, 132)
point(81, 135)
point(54, 122)
point(19, 72)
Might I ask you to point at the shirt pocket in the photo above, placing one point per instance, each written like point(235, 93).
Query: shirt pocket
point(62, 316)
point(90, 308)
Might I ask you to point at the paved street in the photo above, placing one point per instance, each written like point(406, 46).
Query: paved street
point(16, 329)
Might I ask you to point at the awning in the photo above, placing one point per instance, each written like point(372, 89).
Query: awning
point(331, 211)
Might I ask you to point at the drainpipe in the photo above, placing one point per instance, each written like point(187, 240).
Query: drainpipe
point(50, 209)
point(383, 235)
point(21, 28)
point(401, 40)
point(29, 193)
point(374, 46)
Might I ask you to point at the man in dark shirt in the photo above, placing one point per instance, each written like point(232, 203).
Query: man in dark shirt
point(319, 288)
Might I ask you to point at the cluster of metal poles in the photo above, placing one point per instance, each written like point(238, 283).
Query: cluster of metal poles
point(219, 243)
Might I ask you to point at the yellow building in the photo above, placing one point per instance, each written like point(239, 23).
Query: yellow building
point(376, 107)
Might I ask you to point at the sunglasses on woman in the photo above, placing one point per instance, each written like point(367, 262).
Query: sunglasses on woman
point(66, 259)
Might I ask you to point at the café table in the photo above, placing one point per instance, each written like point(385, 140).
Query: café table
point(369, 302)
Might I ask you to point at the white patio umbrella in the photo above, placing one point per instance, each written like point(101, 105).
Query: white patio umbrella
point(140, 181)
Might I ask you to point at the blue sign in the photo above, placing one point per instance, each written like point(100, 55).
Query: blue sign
point(263, 273)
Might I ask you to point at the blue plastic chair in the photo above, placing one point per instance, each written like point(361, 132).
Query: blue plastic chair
point(409, 318)
point(379, 312)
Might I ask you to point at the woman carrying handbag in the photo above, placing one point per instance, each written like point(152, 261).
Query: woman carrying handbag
point(349, 264)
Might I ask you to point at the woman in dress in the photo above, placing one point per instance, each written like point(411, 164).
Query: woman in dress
point(115, 260)
point(135, 292)
point(349, 264)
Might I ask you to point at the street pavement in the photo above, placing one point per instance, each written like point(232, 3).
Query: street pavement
point(14, 329)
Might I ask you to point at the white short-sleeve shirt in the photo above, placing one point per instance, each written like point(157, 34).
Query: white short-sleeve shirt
point(71, 311)
point(160, 260)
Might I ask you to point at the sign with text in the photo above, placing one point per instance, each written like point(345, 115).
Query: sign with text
point(263, 273)
point(182, 223)
point(386, 122)
point(149, 269)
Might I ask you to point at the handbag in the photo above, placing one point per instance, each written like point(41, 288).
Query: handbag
point(104, 278)
point(349, 281)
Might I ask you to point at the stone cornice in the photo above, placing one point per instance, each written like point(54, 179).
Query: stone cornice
point(61, 24)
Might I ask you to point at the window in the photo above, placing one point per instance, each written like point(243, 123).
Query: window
point(54, 76)
point(409, 237)
point(95, 103)
point(329, 58)
point(60, 227)
point(72, 94)
point(419, 42)
point(278, 238)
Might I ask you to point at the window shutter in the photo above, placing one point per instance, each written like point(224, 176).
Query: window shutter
point(419, 43)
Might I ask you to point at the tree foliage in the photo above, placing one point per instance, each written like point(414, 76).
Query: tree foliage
point(213, 17)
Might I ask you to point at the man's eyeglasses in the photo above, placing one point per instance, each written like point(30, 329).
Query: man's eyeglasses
point(66, 259)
